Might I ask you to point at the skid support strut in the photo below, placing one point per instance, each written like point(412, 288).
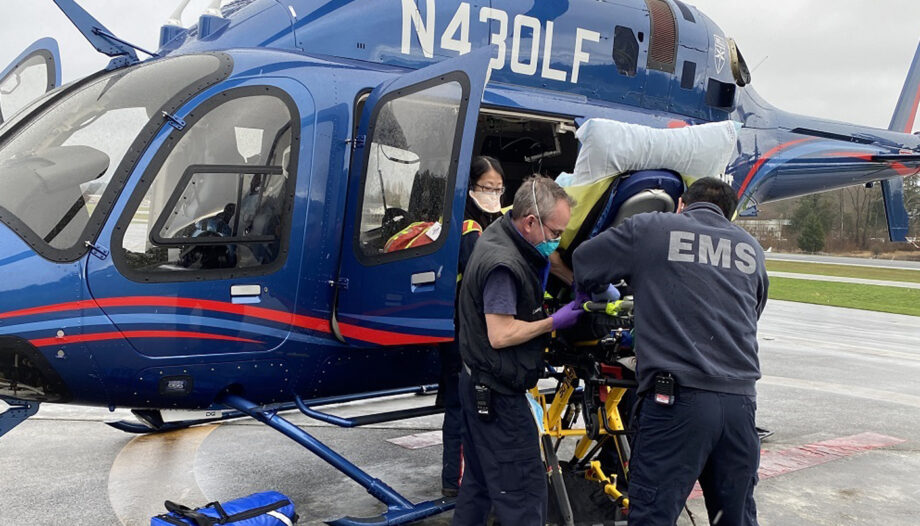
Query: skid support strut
point(16, 414)
point(400, 509)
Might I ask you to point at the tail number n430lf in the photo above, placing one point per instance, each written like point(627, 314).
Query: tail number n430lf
point(456, 37)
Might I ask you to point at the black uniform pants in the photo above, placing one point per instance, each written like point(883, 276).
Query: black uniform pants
point(449, 398)
point(503, 467)
point(705, 435)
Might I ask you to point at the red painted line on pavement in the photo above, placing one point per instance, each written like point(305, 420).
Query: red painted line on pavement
point(776, 463)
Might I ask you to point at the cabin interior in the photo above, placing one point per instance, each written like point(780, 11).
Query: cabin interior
point(525, 145)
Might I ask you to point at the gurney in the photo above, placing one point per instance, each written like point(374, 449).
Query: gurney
point(593, 363)
point(626, 169)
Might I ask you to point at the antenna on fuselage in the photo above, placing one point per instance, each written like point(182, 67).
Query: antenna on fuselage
point(764, 59)
point(173, 26)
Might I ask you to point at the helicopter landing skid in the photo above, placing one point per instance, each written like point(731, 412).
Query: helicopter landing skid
point(17, 412)
point(151, 420)
point(399, 509)
point(142, 428)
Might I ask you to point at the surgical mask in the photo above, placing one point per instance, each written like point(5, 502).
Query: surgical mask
point(547, 246)
point(487, 202)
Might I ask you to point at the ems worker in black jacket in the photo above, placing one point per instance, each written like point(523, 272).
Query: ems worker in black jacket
point(700, 286)
point(503, 333)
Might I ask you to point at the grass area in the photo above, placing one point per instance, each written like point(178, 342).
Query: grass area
point(896, 300)
point(846, 271)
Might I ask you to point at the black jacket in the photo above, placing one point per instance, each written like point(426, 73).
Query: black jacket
point(513, 369)
point(700, 285)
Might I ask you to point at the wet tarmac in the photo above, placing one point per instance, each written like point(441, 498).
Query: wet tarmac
point(840, 391)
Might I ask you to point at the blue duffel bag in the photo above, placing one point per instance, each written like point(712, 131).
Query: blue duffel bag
point(269, 508)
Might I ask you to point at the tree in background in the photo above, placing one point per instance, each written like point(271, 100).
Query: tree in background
point(815, 204)
point(852, 220)
point(812, 234)
point(812, 218)
point(866, 214)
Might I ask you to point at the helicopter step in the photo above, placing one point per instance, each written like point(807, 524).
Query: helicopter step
point(16, 413)
point(399, 509)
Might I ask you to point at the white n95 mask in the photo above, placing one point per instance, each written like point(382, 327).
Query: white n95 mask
point(487, 202)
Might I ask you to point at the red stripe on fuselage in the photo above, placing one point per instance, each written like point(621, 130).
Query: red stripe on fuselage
point(765, 158)
point(60, 307)
point(100, 336)
point(305, 322)
point(386, 337)
point(901, 169)
point(297, 320)
point(863, 156)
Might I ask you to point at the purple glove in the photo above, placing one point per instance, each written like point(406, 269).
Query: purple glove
point(611, 294)
point(569, 313)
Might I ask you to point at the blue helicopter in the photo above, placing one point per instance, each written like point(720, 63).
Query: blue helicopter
point(207, 228)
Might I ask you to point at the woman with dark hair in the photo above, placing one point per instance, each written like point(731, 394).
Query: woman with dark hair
point(483, 206)
point(483, 203)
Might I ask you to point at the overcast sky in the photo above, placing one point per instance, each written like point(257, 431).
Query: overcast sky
point(837, 59)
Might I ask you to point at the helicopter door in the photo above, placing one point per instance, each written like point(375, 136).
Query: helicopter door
point(202, 260)
point(36, 71)
point(398, 272)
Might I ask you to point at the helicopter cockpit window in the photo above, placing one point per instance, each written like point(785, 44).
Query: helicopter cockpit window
point(56, 164)
point(26, 82)
point(219, 199)
point(407, 170)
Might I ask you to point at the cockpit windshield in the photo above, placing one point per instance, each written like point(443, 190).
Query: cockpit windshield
point(56, 164)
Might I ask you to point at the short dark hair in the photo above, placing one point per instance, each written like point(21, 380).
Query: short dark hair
point(715, 191)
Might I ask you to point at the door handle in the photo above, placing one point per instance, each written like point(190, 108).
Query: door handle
point(423, 281)
point(245, 293)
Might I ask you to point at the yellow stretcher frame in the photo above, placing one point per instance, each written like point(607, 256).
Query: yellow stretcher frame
point(554, 427)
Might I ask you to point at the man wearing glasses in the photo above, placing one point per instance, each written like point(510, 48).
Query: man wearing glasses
point(503, 332)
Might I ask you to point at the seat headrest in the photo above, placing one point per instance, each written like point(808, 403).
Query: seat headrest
point(650, 200)
point(426, 200)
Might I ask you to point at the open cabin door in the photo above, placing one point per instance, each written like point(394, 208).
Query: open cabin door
point(409, 172)
point(36, 71)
